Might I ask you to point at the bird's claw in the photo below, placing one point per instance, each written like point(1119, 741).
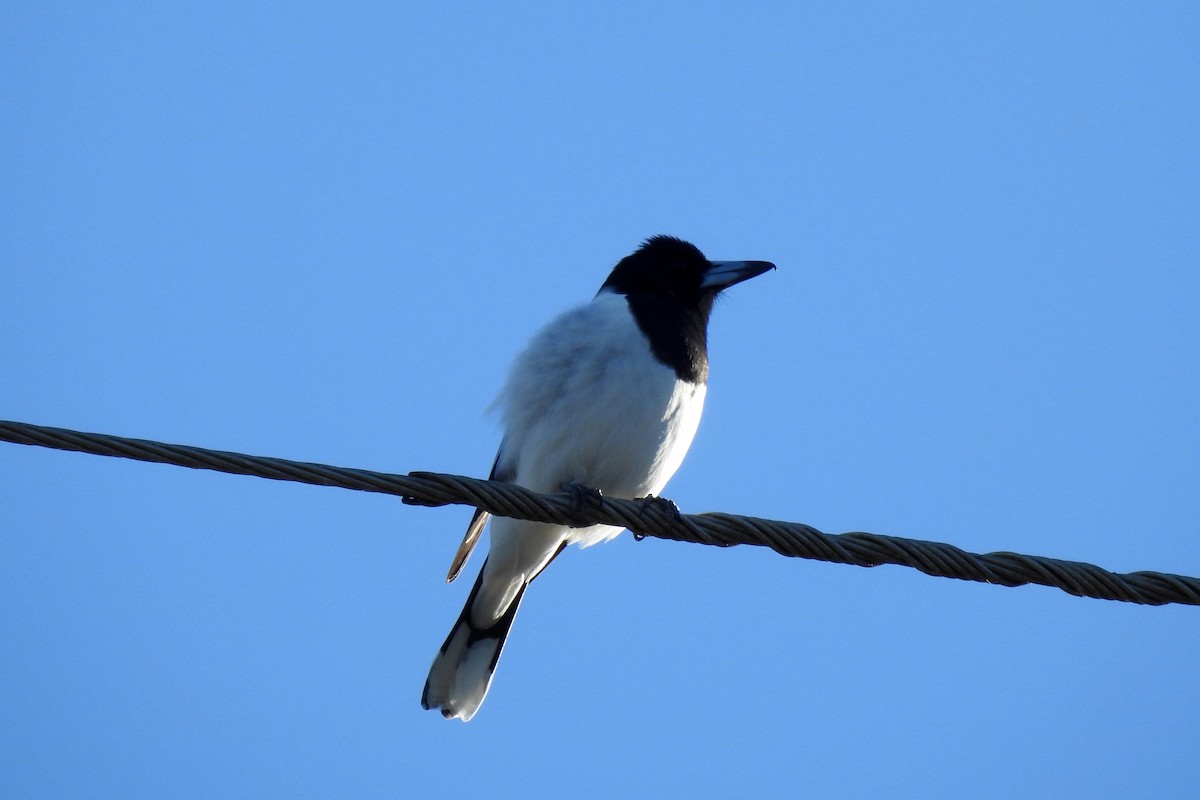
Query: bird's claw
point(581, 497)
point(666, 505)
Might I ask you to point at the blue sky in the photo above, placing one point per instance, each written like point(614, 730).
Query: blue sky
point(322, 232)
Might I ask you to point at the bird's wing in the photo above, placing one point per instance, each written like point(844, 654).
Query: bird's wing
point(478, 522)
point(468, 543)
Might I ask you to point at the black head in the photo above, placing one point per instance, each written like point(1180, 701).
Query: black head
point(670, 287)
point(662, 265)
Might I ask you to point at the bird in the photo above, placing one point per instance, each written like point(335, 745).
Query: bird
point(606, 398)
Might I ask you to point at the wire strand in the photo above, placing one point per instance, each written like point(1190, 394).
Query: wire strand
point(650, 517)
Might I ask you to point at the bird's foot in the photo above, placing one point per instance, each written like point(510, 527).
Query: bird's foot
point(662, 504)
point(581, 497)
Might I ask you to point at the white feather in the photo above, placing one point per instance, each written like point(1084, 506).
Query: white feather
point(587, 401)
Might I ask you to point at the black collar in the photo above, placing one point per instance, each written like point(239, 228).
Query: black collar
point(677, 332)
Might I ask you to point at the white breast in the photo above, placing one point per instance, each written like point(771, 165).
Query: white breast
point(588, 402)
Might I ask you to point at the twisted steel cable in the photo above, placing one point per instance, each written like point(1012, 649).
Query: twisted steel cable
point(651, 517)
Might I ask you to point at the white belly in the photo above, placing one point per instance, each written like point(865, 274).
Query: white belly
point(587, 402)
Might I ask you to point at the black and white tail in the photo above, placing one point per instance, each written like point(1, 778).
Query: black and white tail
point(462, 670)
